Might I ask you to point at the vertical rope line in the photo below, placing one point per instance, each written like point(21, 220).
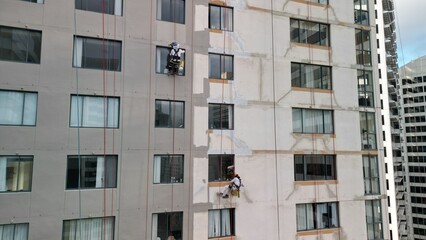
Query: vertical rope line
point(78, 126)
point(105, 113)
point(115, 66)
point(275, 120)
point(151, 48)
point(190, 179)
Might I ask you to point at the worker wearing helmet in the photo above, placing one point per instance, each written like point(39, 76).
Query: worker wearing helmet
point(234, 185)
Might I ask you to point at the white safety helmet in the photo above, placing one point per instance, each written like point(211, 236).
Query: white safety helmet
point(175, 45)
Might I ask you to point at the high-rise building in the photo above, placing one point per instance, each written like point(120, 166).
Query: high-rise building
point(413, 88)
point(99, 143)
point(391, 114)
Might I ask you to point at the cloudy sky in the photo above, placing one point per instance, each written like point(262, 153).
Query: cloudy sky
point(411, 17)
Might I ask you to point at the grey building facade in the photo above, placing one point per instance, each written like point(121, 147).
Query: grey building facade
point(98, 143)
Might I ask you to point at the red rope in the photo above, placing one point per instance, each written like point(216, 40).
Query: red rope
point(105, 114)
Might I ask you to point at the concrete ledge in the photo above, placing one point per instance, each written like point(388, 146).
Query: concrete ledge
point(218, 184)
point(294, 44)
point(318, 232)
point(310, 3)
point(319, 182)
point(224, 238)
point(300, 89)
point(215, 30)
point(217, 2)
point(214, 80)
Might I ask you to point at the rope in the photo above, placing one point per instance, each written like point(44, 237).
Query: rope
point(105, 112)
point(78, 131)
point(275, 121)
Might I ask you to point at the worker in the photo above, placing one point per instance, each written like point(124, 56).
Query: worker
point(174, 60)
point(234, 185)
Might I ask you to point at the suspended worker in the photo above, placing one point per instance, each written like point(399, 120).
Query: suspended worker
point(174, 60)
point(234, 185)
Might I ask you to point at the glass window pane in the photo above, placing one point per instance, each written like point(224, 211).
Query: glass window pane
point(214, 66)
point(93, 112)
point(214, 17)
point(12, 169)
point(113, 112)
point(227, 19)
point(161, 59)
point(25, 174)
point(295, 75)
point(299, 169)
point(228, 67)
point(178, 114)
point(30, 109)
point(11, 107)
point(34, 47)
point(297, 120)
point(294, 30)
point(313, 34)
point(326, 78)
point(301, 217)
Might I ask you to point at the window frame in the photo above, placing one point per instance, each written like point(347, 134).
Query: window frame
point(371, 178)
point(315, 216)
point(158, 61)
point(23, 108)
point(77, 221)
point(302, 125)
point(81, 115)
point(322, 80)
point(115, 7)
point(29, 33)
point(362, 88)
point(368, 131)
point(319, 158)
point(222, 158)
point(15, 225)
point(169, 222)
point(364, 53)
point(80, 163)
point(211, 122)
point(104, 43)
point(360, 12)
point(222, 66)
point(20, 159)
point(220, 17)
point(372, 221)
point(171, 158)
point(320, 25)
point(172, 112)
point(173, 18)
point(231, 222)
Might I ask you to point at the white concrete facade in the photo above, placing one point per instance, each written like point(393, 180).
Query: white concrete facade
point(262, 140)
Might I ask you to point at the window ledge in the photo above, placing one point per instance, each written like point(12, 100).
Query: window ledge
point(215, 80)
point(318, 135)
point(224, 238)
point(215, 30)
point(318, 232)
point(300, 89)
point(218, 2)
point(218, 184)
point(295, 44)
point(311, 3)
point(317, 182)
point(370, 152)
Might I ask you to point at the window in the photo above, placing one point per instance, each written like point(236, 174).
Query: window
point(88, 111)
point(18, 108)
point(89, 53)
point(167, 224)
point(14, 231)
point(221, 66)
point(168, 169)
point(310, 76)
point(314, 167)
point(221, 167)
point(20, 45)
point(89, 228)
point(319, 1)
point(221, 223)
point(309, 32)
point(162, 60)
point(113, 7)
point(171, 11)
point(221, 116)
point(317, 216)
point(312, 121)
point(373, 211)
point(371, 174)
point(169, 114)
point(94, 172)
point(365, 88)
point(221, 18)
point(361, 12)
point(16, 173)
point(363, 49)
point(368, 130)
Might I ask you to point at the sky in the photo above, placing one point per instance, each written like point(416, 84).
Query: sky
point(411, 35)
